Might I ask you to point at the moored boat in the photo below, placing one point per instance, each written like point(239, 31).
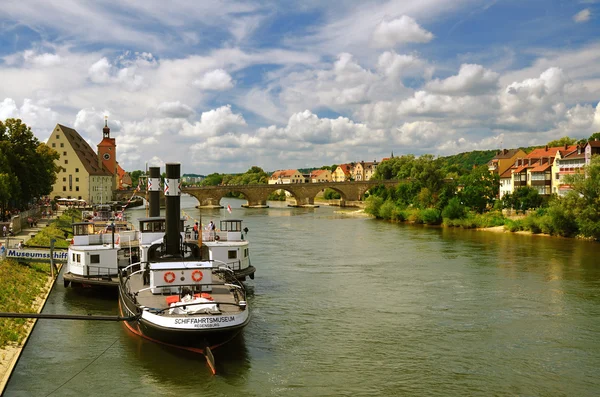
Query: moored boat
point(176, 298)
point(98, 249)
point(229, 245)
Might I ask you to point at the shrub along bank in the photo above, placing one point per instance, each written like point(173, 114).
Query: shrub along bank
point(420, 200)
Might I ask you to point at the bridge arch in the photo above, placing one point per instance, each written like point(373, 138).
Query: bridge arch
point(304, 193)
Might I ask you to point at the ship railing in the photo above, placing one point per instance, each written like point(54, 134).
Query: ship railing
point(100, 271)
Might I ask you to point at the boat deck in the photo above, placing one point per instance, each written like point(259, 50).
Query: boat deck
point(220, 293)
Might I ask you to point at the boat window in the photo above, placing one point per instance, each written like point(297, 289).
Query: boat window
point(232, 254)
point(77, 258)
point(245, 252)
point(231, 226)
point(94, 258)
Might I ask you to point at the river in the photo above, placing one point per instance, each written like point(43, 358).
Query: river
point(352, 306)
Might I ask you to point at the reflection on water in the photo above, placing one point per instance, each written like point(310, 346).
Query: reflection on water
point(354, 306)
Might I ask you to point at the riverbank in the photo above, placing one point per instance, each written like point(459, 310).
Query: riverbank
point(9, 354)
point(25, 288)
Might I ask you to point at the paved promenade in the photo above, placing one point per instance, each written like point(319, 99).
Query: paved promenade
point(25, 234)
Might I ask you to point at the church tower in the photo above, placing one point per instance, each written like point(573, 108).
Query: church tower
point(107, 152)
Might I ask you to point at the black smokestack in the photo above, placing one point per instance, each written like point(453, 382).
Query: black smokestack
point(173, 209)
point(154, 191)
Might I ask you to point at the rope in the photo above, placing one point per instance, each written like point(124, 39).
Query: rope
point(84, 368)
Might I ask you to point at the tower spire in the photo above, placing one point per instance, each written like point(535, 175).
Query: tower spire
point(106, 130)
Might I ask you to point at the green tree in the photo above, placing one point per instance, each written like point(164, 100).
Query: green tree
point(135, 177)
point(28, 160)
point(214, 179)
point(525, 198)
point(480, 188)
point(585, 198)
point(565, 140)
point(594, 136)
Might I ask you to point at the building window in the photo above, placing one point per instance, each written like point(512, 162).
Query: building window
point(76, 179)
point(64, 188)
point(557, 176)
point(64, 178)
point(57, 136)
point(76, 169)
point(62, 145)
point(66, 161)
point(53, 144)
point(64, 153)
point(76, 188)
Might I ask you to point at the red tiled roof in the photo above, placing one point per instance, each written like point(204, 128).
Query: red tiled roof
point(520, 169)
point(283, 174)
point(316, 173)
point(550, 152)
point(346, 168)
point(541, 168)
point(506, 174)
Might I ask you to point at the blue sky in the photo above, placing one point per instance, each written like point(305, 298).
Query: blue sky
point(223, 86)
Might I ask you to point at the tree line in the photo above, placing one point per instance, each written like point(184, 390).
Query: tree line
point(440, 191)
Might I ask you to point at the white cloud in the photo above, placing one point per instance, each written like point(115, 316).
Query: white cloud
point(215, 122)
point(103, 72)
point(535, 102)
point(175, 109)
point(33, 114)
point(218, 80)
point(399, 31)
point(306, 128)
point(89, 122)
point(99, 72)
point(426, 104)
point(582, 16)
point(420, 133)
point(471, 80)
point(398, 66)
point(44, 60)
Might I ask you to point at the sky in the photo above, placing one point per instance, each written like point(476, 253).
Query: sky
point(221, 86)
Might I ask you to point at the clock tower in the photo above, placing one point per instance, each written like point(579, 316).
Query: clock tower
point(107, 152)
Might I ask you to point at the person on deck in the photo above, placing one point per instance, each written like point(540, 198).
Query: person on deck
point(195, 228)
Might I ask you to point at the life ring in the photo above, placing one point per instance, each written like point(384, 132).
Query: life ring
point(197, 275)
point(217, 238)
point(169, 277)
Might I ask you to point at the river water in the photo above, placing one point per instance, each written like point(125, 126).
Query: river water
point(351, 306)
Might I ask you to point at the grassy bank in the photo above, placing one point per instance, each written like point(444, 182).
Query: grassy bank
point(21, 286)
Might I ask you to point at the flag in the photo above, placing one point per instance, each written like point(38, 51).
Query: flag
point(228, 208)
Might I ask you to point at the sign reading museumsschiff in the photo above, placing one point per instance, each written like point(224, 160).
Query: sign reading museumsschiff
point(36, 255)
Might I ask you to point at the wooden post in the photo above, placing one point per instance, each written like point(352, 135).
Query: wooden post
point(52, 265)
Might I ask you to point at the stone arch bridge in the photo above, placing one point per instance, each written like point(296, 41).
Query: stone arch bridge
point(256, 195)
point(303, 193)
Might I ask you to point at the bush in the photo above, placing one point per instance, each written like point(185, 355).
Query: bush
point(563, 223)
point(454, 209)
point(431, 216)
point(386, 210)
point(414, 215)
point(531, 223)
point(373, 205)
point(514, 225)
point(398, 214)
point(331, 194)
